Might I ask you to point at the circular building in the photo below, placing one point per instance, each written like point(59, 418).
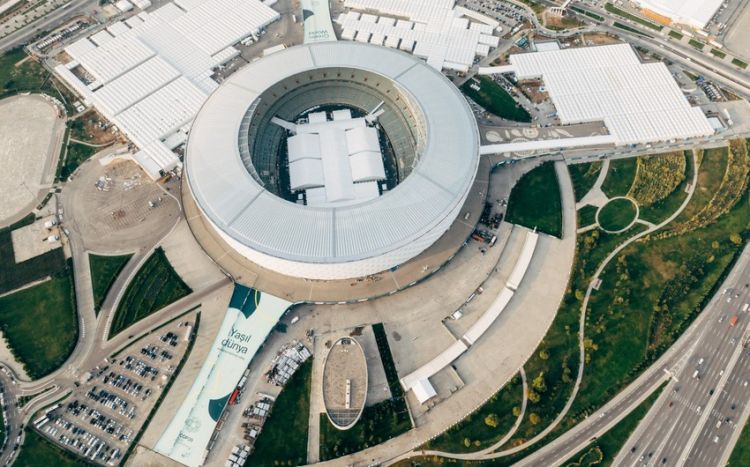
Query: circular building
point(345, 383)
point(332, 160)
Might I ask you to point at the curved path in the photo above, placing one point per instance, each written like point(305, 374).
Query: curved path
point(483, 455)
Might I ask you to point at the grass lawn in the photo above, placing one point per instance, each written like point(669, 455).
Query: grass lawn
point(711, 170)
point(495, 99)
point(474, 431)
point(104, 271)
point(283, 440)
point(661, 210)
point(676, 35)
point(76, 155)
point(649, 295)
point(154, 286)
point(741, 453)
point(584, 176)
point(40, 324)
point(535, 201)
point(620, 177)
point(697, 44)
point(30, 76)
point(379, 422)
point(625, 27)
point(12, 275)
point(587, 215)
point(718, 53)
point(608, 445)
point(739, 63)
point(637, 19)
point(587, 13)
point(37, 451)
point(617, 214)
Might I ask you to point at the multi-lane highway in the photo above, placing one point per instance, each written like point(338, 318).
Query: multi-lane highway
point(692, 422)
point(681, 360)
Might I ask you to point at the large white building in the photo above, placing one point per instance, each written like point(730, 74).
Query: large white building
point(150, 74)
point(242, 151)
point(694, 13)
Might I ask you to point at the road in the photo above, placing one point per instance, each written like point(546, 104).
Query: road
point(49, 22)
point(693, 423)
point(677, 360)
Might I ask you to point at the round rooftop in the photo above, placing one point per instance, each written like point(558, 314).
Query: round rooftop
point(427, 123)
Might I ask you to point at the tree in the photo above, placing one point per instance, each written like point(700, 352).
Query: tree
point(533, 418)
point(491, 420)
point(538, 383)
point(543, 354)
point(533, 396)
point(736, 239)
point(516, 411)
point(467, 442)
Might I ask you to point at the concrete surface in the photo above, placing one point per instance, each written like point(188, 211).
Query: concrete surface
point(30, 138)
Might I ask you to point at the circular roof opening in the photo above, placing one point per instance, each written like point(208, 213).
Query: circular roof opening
point(237, 156)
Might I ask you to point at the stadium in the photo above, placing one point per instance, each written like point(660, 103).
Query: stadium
point(332, 161)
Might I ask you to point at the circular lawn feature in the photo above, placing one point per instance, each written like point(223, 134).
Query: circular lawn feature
point(617, 215)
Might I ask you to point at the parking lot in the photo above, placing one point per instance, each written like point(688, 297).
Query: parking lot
point(510, 16)
point(108, 409)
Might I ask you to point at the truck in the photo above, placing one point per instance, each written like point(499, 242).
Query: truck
point(734, 320)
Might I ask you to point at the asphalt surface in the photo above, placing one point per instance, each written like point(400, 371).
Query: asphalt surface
point(13, 420)
point(693, 424)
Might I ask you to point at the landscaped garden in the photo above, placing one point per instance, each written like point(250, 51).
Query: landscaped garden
point(617, 214)
point(283, 440)
point(535, 201)
point(486, 425)
point(154, 286)
point(493, 98)
point(40, 323)
point(104, 271)
point(38, 451)
point(648, 294)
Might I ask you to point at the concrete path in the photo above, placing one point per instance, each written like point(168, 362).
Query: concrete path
point(596, 196)
point(519, 329)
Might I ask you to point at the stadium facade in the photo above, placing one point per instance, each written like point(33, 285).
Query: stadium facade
point(332, 160)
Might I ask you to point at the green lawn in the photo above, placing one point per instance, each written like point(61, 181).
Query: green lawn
point(587, 13)
point(379, 422)
point(710, 173)
point(535, 201)
point(676, 35)
point(636, 19)
point(283, 440)
point(104, 271)
point(154, 286)
point(38, 451)
point(697, 44)
point(76, 155)
point(475, 429)
point(609, 444)
point(617, 214)
point(495, 99)
point(718, 53)
point(40, 324)
point(650, 293)
point(741, 453)
point(625, 27)
point(739, 63)
point(619, 177)
point(584, 176)
point(661, 210)
point(587, 216)
point(12, 275)
point(30, 76)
